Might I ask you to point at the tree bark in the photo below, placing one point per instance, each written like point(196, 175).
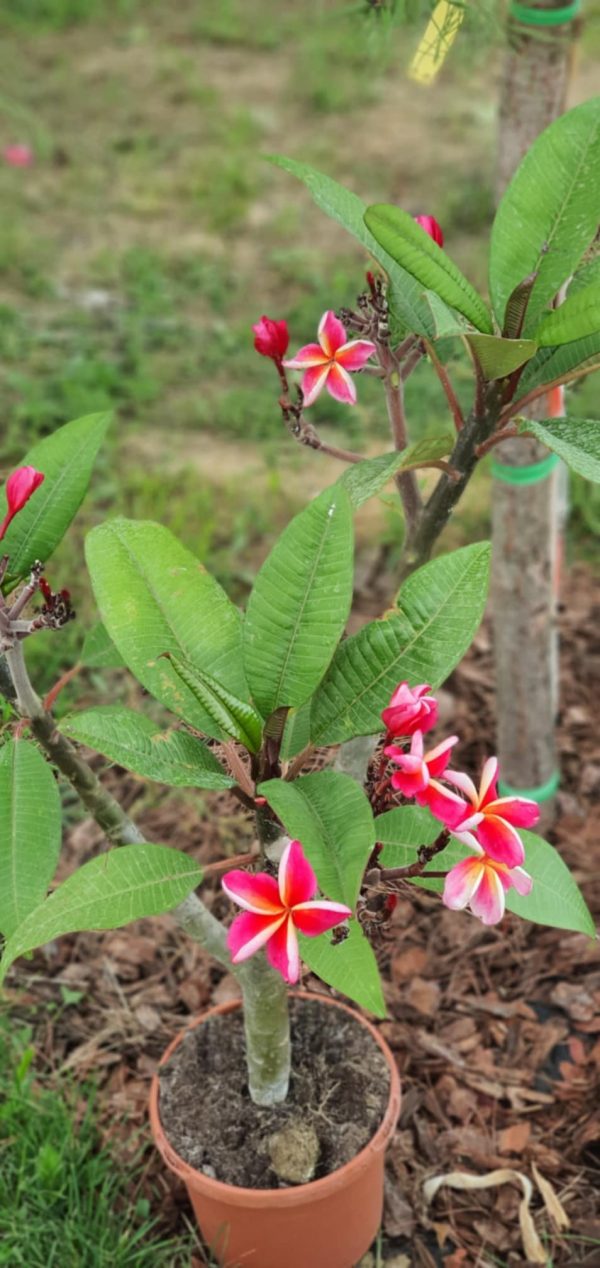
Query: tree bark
point(525, 518)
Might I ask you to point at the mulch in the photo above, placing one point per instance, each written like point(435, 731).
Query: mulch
point(496, 1031)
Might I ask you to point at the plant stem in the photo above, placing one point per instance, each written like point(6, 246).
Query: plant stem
point(406, 482)
point(444, 379)
point(267, 1031)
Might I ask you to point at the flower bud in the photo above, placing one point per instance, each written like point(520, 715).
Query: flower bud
point(18, 155)
point(271, 338)
point(19, 488)
point(431, 226)
point(410, 709)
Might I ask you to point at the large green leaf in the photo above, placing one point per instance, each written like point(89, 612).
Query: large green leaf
point(439, 610)
point(575, 440)
point(405, 294)
point(155, 597)
point(300, 603)
point(588, 271)
point(66, 459)
point(99, 651)
point(349, 967)
point(406, 827)
point(577, 318)
point(555, 898)
point(111, 890)
point(233, 716)
point(499, 357)
point(29, 831)
point(329, 813)
point(549, 213)
point(561, 365)
point(447, 321)
point(134, 741)
point(296, 735)
point(407, 243)
point(362, 480)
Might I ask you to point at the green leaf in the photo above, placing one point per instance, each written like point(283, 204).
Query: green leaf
point(555, 898)
point(499, 357)
point(561, 365)
point(406, 827)
point(155, 597)
point(362, 480)
point(349, 967)
point(135, 742)
point(575, 440)
point(66, 459)
point(447, 321)
point(441, 606)
point(300, 603)
point(347, 209)
point(236, 718)
point(415, 251)
point(111, 890)
point(296, 736)
point(30, 831)
point(329, 813)
point(516, 307)
point(577, 318)
point(549, 214)
point(588, 271)
point(99, 651)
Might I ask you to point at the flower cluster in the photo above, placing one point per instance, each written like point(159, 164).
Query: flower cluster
point(479, 818)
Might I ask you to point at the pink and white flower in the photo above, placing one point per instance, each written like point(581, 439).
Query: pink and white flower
point(410, 709)
point(431, 227)
point(330, 362)
point(275, 909)
point(480, 882)
point(418, 776)
point(19, 488)
point(491, 821)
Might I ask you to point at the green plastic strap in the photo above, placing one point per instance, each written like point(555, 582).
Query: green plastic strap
point(542, 793)
point(526, 475)
point(544, 17)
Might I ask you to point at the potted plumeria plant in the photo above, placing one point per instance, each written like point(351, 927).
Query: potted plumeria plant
point(276, 1110)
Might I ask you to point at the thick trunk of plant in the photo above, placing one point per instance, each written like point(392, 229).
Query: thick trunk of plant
point(525, 517)
point(267, 1031)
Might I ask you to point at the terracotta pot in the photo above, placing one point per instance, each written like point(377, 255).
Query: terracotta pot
point(329, 1223)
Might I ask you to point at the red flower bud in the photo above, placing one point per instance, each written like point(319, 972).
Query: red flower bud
point(431, 226)
point(271, 338)
point(19, 488)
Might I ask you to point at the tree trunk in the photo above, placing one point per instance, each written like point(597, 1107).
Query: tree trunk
point(525, 517)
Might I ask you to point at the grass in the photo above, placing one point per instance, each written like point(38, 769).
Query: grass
point(65, 1200)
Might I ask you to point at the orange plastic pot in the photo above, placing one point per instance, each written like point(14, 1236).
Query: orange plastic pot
point(329, 1223)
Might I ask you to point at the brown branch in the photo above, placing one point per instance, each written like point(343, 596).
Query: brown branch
point(406, 483)
point(444, 379)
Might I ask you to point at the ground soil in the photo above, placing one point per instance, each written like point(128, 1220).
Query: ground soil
point(337, 1098)
point(496, 1031)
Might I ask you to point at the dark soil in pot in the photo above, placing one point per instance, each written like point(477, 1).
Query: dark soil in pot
point(338, 1095)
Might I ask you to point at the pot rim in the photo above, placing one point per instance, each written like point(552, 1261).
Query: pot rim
point(237, 1195)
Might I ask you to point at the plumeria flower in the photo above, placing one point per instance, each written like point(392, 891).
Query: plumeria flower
point(431, 227)
point(271, 338)
point(19, 488)
point(275, 909)
point(410, 709)
point(418, 776)
point(480, 883)
point(18, 155)
point(330, 362)
point(491, 821)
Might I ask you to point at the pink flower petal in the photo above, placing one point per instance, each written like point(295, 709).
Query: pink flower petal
point(521, 880)
point(488, 900)
point(519, 811)
point(340, 385)
point(463, 782)
point(489, 775)
point(411, 783)
point(257, 893)
point(314, 918)
point(297, 881)
point(314, 381)
point(332, 334)
point(500, 840)
point(467, 838)
point(443, 803)
point(311, 354)
point(461, 883)
point(283, 954)
point(437, 758)
point(354, 355)
point(249, 933)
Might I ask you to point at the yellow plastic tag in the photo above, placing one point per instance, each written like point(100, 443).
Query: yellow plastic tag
point(436, 42)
